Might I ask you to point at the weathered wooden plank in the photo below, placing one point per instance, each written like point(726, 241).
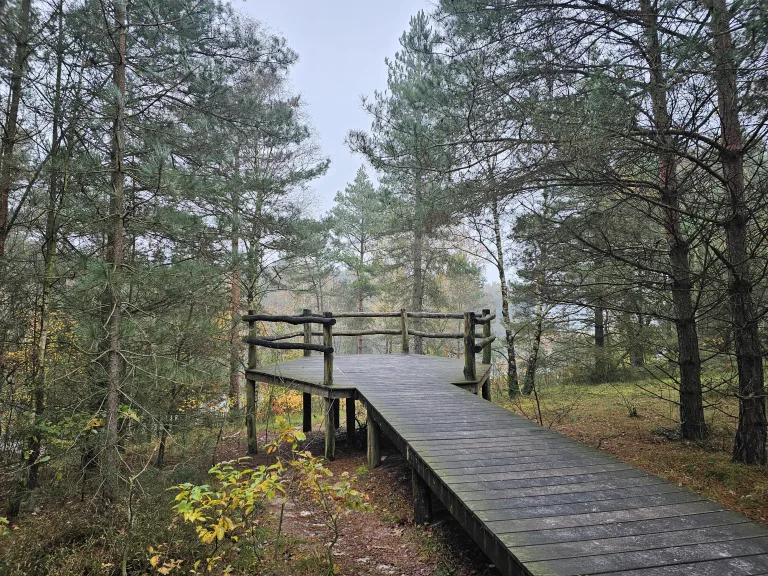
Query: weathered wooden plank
point(591, 518)
point(614, 545)
point(756, 565)
point(598, 532)
point(650, 558)
point(504, 499)
point(573, 508)
point(539, 473)
point(570, 482)
point(472, 494)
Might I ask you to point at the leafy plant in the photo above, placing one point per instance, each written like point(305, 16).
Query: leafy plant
point(228, 513)
point(3, 526)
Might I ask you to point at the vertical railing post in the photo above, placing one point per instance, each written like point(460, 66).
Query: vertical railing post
point(330, 403)
point(470, 371)
point(404, 330)
point(328, 355)
point(487, 354)
point(306, 397)
point(251, 392)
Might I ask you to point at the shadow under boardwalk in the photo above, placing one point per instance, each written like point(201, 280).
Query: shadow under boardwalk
point(535, 501)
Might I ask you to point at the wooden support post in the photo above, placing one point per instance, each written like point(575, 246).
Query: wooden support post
point(330, 431)
point(422, 499)
point(404, 329)
point(350, 420)
point(374, 453)
point(487, 355)
point(306, 398)
point(470, 371)
point(251, 394)
point(306, 406)
point(336, 414)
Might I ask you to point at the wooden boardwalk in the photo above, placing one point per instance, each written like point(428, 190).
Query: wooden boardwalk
point(536, 502)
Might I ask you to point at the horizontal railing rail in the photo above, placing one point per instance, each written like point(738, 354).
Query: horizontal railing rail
point(295, 320)
point(269, 343)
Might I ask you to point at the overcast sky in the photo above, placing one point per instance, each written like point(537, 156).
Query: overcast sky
point(341, 45)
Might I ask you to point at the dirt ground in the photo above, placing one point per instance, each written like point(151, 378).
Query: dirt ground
point(382, 542)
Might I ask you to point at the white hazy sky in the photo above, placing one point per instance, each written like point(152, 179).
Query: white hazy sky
point(341, 45)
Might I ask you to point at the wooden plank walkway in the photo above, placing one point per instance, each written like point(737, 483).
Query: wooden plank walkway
point(536, 502)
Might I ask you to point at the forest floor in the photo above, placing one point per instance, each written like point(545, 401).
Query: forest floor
point(62, 532)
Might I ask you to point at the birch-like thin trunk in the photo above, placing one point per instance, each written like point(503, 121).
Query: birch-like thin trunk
point(513, 385)
point(529, 383)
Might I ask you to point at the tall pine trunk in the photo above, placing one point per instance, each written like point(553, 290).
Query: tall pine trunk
point(692, 424)
point(749, 445)
point(235, 346)
point(56, 190)
point(513, 385)
point(115, 253)
point(8, 167)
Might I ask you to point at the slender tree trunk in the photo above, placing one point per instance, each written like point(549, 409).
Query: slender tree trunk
point(160, 461)
point(599, 327)
point(234, 330)
point(235, 347)
point(8, 168)
point(417, 297)
point(360, 294)
point(529, 383)
point(635, 332)
point(513, 385)
point(601, 364)
point(750, 443)
point(692, 424)
point(116, 254)
point(360, 338)
point(56, 188)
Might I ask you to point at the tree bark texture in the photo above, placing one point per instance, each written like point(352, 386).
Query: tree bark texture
point(692, 424)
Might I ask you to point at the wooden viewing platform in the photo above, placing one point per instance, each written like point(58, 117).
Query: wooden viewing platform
point(536, 502)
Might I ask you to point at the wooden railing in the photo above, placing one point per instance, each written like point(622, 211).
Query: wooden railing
point(473, 343)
